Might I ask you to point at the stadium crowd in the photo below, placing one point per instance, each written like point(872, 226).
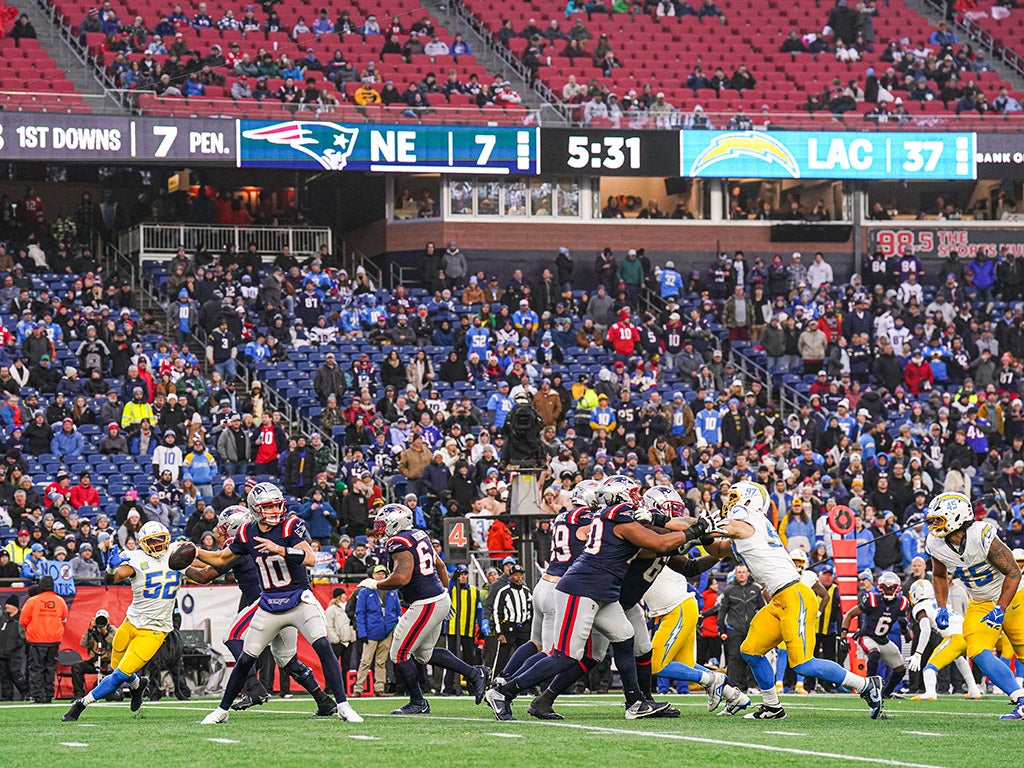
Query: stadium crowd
point(904, 390)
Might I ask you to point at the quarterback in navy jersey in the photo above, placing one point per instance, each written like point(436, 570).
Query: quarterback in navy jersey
point(282, 648)
point(276, 543)
point(587, 597)
point(421, 579)
point(879, 612)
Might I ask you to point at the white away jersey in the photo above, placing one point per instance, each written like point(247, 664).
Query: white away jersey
point(670, 589)
point(154, 590)
point(930, 608)
point(983, 580)
point(763, 553)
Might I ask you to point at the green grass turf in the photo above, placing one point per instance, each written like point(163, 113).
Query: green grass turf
point(820, 731)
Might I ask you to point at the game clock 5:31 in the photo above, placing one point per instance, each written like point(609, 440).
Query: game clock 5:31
point(610, 153)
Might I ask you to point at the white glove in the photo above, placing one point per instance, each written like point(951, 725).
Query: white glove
point(368, 583)
point(642, 515)
point(914, 663)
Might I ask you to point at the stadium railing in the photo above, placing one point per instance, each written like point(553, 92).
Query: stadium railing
point(160, 241)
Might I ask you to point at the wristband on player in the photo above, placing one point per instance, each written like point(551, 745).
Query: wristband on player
point(294, 555)
point(659, 519)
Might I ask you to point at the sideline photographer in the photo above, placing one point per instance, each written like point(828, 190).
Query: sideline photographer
point(97, 641)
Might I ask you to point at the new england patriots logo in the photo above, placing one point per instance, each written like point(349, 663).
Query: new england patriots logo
point(329, 144)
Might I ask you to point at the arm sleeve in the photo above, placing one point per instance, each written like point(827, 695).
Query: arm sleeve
point(924, 635)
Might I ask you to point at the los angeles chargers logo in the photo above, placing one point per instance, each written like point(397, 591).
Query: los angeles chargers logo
point(329, 144)
point(753, 145)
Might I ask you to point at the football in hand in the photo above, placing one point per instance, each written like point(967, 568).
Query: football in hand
point(182, 556)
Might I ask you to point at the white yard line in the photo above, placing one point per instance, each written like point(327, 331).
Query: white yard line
point(73, 744)
point(794, 733)
point(506, 735)
point(717, 742)
point(923, 733)
point(361, 737)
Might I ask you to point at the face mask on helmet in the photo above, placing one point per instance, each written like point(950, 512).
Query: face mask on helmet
point(664, 499)
point(229, 521)
point(266, 504)
point(391, 520)
point(889, 586)
point(154, 539)
point(799, 559)
point(947, 513)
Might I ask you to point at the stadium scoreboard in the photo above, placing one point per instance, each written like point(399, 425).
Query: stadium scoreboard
point(525, 150)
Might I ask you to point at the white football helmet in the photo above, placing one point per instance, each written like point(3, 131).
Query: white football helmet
point(921, 590)
point(155, 539)
point(948, 512)
point(266, 504)
point(392, 519)
point(889, 586)
point(229, 521)
point(753, 496)
point(620, 489)
point(799, 559)
point(665, 499)
point(584, 494)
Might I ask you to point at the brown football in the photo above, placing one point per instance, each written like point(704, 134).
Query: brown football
point(182, 556)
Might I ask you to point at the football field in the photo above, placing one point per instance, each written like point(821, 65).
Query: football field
point(819, 731)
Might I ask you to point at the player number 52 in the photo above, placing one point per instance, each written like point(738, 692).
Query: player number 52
point(163, 585)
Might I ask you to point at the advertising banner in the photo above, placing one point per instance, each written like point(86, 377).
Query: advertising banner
point(940, 243)
point(827, 155)
point(388, 148)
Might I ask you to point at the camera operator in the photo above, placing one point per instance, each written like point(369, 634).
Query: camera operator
point(522, 434)
point(97, 641)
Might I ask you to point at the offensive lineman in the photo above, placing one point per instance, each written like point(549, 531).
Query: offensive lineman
point(147, 621)
point(587, 598)
point(277, 543)
point(789, 617)
point(976, 556)
point(421, 579)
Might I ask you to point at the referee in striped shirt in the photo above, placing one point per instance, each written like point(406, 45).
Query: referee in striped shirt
point(513, 615)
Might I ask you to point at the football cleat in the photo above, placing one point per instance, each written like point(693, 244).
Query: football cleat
point(641, 709)
point(715, 689)
point(346, 713)
point(1017, 713)
point(801, 690)
point(138, 692)
point(74, 711)
point(541, 708)
point(480, 683)
point(925, 697)
point(668, 711)
point(325, 706)
point(872, 694)
point(217, 716)
point(499, 705)
point(421, 707)
point(766, 712)
point(738, 703)
point(246, 700)
point(974, 695)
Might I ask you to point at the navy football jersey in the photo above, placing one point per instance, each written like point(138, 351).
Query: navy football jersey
point(282, 583)
point(425, 583)
point(246, 577)
point(600, 569)
point(565, 546)
point(639, 577)
point(880, 615)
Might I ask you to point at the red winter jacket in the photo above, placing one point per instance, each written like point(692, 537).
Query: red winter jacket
point(916, 374)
